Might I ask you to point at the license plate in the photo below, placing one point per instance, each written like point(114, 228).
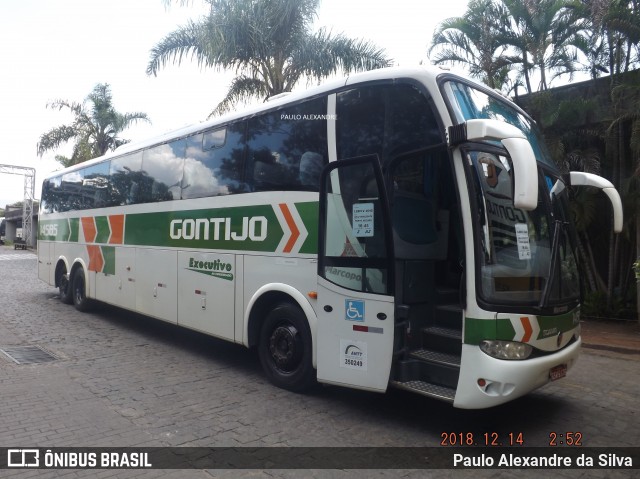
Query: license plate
point(558, 372)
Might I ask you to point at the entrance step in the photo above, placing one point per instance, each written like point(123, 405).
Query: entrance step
point(436, 357)
point(449, 316)
point(442, 339)
point(427, 389)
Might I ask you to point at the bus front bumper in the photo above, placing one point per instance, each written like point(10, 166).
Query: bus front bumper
point(486, 381)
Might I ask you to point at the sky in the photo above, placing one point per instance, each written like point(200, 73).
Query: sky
point(60, 49)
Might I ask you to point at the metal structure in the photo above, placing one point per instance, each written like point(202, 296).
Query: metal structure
point(28, 197)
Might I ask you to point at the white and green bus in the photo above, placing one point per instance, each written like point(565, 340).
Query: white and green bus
point(398, 228)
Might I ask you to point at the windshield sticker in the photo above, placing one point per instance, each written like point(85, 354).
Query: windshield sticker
point(522, 236)
point(363, 220)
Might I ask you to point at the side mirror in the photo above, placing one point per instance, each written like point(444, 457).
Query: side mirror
point(578, 178)
point(525, 169)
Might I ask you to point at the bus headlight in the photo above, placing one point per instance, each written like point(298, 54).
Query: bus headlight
point(506, 349)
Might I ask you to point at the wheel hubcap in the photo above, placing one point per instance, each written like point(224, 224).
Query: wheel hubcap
point(285, 347)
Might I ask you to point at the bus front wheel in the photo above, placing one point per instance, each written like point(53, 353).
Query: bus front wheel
point(285, 348)
point(79, 291)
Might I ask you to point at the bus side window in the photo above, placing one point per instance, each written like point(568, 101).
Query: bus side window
point(95, 186)
point(287, 148)
point(360, 124)
point(311, 165)
point(125, 176)
point(214, 162)
point(163, 164)
point(384, 120)
point(72, 188)
point(52, 195)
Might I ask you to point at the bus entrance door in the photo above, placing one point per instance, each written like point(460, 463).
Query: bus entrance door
point(355, 277)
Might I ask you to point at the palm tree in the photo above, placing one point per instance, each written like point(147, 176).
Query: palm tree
point(475, 40)
point(268, 43)
point(611, 41)
point(544, 32)
point(95, 128)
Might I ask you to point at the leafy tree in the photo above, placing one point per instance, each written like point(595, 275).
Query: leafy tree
point(610, 41)
point(493, 35)
point(475, 40)
point(95, 128)
point(269, 45)
point(544, 33)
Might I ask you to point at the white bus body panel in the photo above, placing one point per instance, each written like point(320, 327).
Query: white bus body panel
point(156, 283)
point(46, 264)
point(347, 354)
point(119, 288)
point(206, 292)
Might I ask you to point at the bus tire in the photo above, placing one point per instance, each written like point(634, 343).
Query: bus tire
point(79, 291)
point(64, 287)
point(285, 348)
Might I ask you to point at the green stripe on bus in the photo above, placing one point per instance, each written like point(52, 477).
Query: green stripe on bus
point(74, 229)
point(505, 330)
point(244, 228)
point(102, 229)
point(59, 230)
point(475, 330)
point(552, 325)
point(309, 213)
point(109, 256)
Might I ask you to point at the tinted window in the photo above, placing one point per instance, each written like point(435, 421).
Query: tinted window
point(95, 186)
point(127, 179)
point(45, 201)
point(72, 189)
point(163, 165)
point(52, 195)
point(287, 148)
point(213, 164)
point(386, 120)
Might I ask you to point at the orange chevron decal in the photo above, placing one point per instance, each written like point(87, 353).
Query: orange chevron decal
point(96, 262)
point(116, 223)
point(89, 229)
point(295, 232)
point(528, 330)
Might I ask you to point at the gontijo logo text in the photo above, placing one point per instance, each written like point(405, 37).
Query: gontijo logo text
point(253, 228)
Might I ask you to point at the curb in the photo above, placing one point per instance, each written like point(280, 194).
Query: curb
point(615, 349)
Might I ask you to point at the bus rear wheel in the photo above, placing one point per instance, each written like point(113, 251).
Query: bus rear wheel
point(64, 288)
point(79, 291)
point(285, 348)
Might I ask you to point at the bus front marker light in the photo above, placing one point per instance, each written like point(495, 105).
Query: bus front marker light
point(506, 349)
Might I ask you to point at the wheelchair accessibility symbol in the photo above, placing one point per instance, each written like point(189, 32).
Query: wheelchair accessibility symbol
point(353, 310)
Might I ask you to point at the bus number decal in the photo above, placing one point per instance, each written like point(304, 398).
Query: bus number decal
point(353, 354)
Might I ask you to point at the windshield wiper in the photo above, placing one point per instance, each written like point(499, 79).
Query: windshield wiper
point(559, 227)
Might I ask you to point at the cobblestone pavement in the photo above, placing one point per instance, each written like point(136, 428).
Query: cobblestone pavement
point(123, 380)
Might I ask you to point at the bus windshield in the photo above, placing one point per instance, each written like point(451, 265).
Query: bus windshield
point(525, 258)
